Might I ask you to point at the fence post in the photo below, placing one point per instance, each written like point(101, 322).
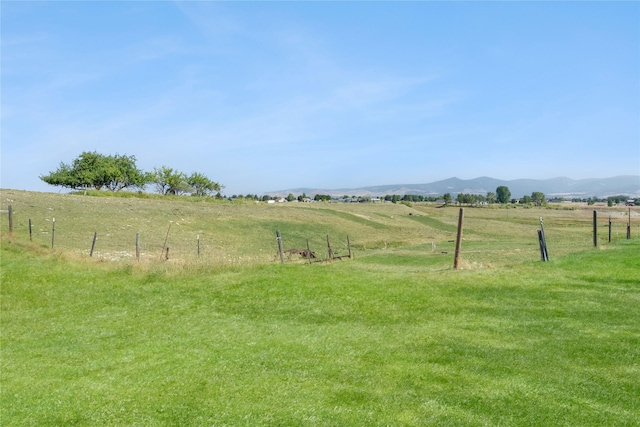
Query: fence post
point(540, 242)
point(543, 242)
point(329, 251)
point(93, 245)
point(10, 219)
point(53, 231)
point(308, 254)
point(629, 226)
point(30, 231)
point(456, 260)
point(609, 228)
point(349, 247)
point(164, 245)
point(595, 229)
point(280, 250)
point(198, 237)
point(138, 247)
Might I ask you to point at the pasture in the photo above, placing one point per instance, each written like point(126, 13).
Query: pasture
point(393, 337)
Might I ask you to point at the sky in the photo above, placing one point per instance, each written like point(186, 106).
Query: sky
point(265, 96)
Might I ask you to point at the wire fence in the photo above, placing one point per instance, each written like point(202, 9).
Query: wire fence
point(565, 233)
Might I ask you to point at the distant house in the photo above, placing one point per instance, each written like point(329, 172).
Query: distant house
point(631, 203)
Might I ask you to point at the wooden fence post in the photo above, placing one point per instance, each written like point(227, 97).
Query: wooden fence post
point(456, 260)
point(10, 219)
point(93, 245)
point(609, 228)
point(595, 229)
point(543, 242)
point(164, 245)
point(308, 254)
point(53, 231)
point(138, 247)
point(329, 251)
point(349, 247)
point(30, 231)
point(280, 250)
point(629, 226)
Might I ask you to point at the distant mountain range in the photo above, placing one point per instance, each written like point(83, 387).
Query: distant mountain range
point(628, 185)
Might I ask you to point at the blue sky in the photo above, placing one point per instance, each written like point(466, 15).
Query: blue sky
point(264, 96)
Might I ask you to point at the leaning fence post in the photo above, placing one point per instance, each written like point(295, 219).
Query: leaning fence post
point(93, 245)
point(329, 251)
point(349, 246)
point(280, 250)
point(543, 242)
point(540, 242)
point(164, 245)
point(456, 260)
point(308, 254)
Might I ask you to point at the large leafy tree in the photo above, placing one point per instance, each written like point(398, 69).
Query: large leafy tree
point(503, 194)
point(121, 172)
point(95, 170)
point(169, 181)
point(201, 185)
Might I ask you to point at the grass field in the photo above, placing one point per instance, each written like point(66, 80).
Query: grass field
point(393, 337)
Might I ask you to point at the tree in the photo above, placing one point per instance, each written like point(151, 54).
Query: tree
point(447, 198)
point(120, 172)
point(290, 197)
point(491, 198)
point(63, 177)
point(503, 194)
point(169, 181)
point(95, 170)
point(201, 185)
point(538, 198)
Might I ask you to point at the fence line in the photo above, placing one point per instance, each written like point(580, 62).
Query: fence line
point(560, 237)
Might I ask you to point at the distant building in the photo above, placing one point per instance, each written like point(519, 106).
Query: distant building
point(631, 203)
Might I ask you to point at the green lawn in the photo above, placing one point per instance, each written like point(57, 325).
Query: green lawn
point(391, 338)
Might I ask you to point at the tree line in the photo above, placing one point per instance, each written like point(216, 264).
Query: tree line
point(92, 170)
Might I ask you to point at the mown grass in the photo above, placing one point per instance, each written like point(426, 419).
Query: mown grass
point(391, 338)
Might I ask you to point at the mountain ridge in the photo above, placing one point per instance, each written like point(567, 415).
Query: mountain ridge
point(628, 185)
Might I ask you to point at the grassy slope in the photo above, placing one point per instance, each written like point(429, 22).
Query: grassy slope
point(242, 234)
point(373, 341)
